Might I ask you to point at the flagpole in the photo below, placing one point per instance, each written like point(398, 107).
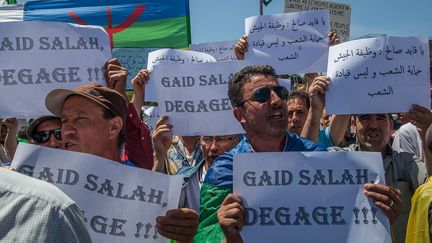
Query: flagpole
point(261, 6)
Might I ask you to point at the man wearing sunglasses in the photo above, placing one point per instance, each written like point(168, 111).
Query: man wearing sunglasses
point(46, 131)
point(259, 104)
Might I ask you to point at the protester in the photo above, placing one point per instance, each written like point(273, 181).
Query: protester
point(137, 134)
point(309, 123)
point(259, 104)
point(408, 139)
point(46, 131)
point(419, 227)
point(402, 170)
point(299, 105)
point(211, 147)
point(9, 142)
point(173, 152)
point(36, 211)
point(93, 119)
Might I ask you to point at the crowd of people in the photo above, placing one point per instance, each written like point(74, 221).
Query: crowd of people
point(99, 120)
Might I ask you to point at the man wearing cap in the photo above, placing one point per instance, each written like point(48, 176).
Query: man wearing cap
point(93, 119)
point(46, 131)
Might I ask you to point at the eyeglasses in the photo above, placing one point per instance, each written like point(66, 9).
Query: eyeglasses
point(43, 136)
point(262, 95)
point(221, 140)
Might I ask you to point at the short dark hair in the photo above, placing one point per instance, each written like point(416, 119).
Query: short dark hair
point(237, 82)
point(299, 94)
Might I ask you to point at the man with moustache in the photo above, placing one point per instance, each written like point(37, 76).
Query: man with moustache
point(259, 104)
point(402, 170)
point(93, 121)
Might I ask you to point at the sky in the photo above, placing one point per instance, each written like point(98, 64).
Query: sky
point(224, 19)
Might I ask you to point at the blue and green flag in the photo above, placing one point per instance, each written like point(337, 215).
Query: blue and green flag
point(129, 23)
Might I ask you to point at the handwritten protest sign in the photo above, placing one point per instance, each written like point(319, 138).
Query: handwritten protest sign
point(11, 13)
point(195, 97)
point(310, 197)
point(167, 56)
point(291, 43)
point(378, 75)
point(340, 14)
point(221, 50)
point(103, 189)
point(37, 57)
point(134, 59)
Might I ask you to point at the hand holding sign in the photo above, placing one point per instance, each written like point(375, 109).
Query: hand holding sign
point(116, 76)
point(420, 117)
point(387, 198)
point(232, 217)
point(317, 92)
point(178, 224)
point(241, 47)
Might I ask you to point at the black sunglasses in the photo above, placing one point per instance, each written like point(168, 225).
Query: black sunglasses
point(262, 95)
point(43, 136)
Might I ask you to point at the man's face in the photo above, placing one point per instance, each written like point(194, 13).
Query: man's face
point(214, 146)
point(297, 114)
point(83, 127)
point(262, 119)
point(373, 132)
point(49, 126)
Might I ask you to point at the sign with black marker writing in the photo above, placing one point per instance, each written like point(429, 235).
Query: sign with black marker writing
point(378, 75)
point(195, 97)
point(120, 202)
point(172, 56)
point(37, 57)
point(340, 14)
point(221, 50)
point(291, 43)
point(310, 197)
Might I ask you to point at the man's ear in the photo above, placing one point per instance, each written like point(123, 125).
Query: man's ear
point(116, 126)
point(239, 114)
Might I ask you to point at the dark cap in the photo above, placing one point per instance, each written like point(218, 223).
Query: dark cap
point(36, 122)
point(109, 99)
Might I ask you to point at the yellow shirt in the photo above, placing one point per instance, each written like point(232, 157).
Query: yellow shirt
point(418, 222)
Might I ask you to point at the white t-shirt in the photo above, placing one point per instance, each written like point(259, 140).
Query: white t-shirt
point(407, 139)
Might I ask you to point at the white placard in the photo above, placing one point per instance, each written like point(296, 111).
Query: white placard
point(378, 75)
point(120, 202)
point(291, 43)
point(134, 59)
point(11, 13)
point(195, 97)
point(172, 56)
point(221, 50)
point(340, 14)
point(310, 197)
point(37, 57)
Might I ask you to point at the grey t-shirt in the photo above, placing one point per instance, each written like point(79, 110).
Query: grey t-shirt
point(32, 210)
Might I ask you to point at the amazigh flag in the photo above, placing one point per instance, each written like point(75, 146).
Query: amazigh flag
point(129, 23)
